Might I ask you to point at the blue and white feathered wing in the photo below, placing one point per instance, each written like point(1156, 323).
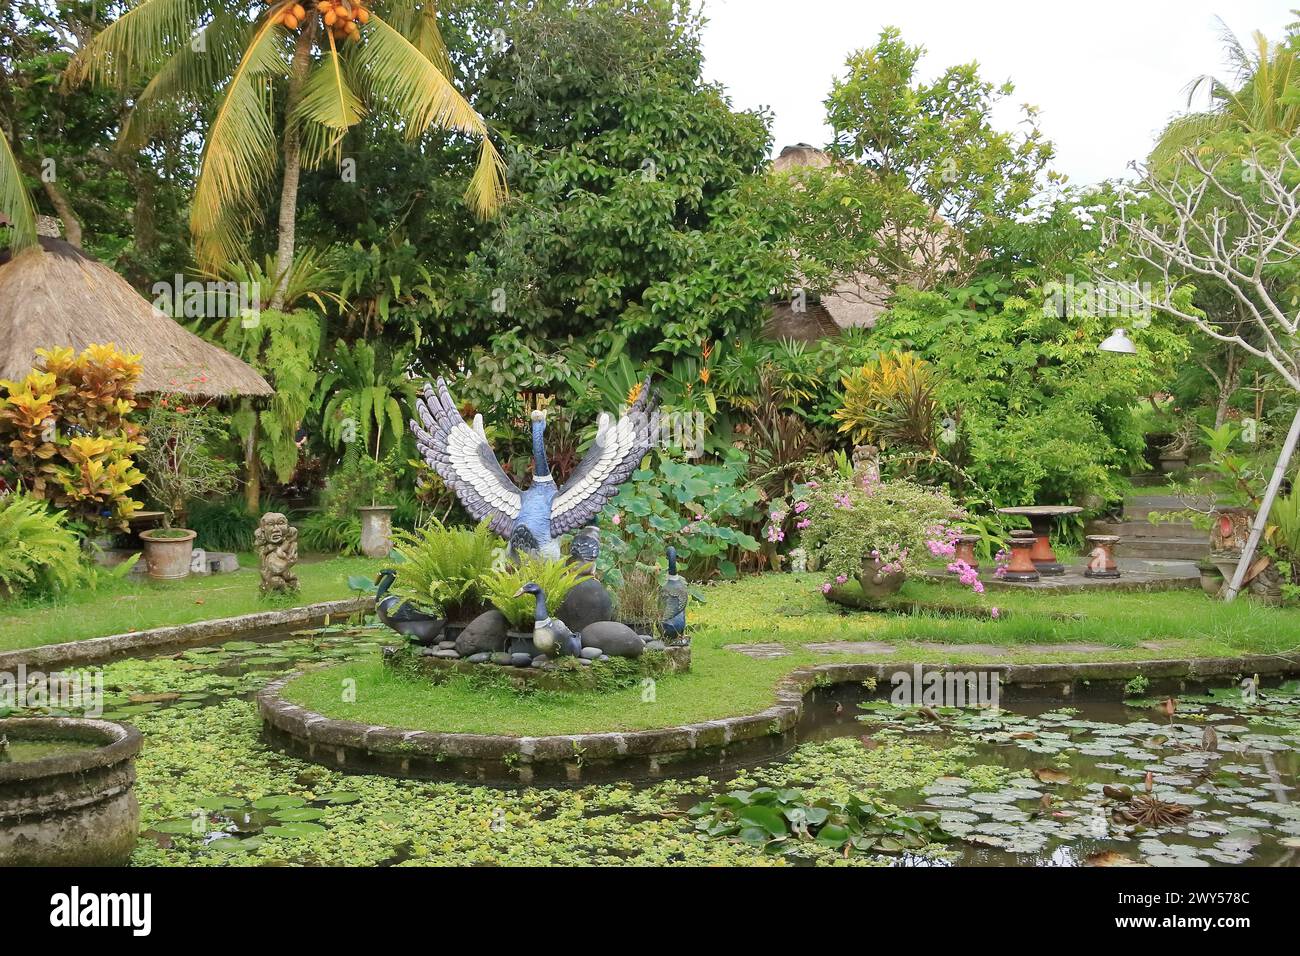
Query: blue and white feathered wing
point(464, 459)
point(613, 456)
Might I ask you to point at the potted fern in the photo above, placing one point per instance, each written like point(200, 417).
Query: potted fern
point(555, 578)
point(443, 571)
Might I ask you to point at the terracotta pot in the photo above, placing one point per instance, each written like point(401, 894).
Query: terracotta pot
point(878, 584)
point(1101, 563)
point(1021, 567)
point(376, 530)
point(966, 551)
point(168, 558)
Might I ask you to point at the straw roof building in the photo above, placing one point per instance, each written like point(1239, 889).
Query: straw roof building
point(64, 297)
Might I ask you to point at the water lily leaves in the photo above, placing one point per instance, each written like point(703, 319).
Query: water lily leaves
point(217, 804)
point(294, 830)
point(279, 802)
point(339, 797)
point(174, 825)
point(764, 817)
point(230, 845)
point(1049, 775)
point(1110, 858)
point(298, 814)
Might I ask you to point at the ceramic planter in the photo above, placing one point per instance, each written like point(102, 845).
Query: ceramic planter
point(1101, 561)
point(71, 808)
point(965, 546)
point(1211, 578)
point(1172, 463)
point(1021, 567)
point(521, 642)
point(877, 583)
point(376, 530)
point(168, 553)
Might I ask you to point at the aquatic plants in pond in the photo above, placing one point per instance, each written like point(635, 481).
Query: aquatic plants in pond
point(782, 821)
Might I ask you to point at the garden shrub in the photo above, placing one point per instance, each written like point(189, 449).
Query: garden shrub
point(68, 436)
point(555, 577)
point(445, 570)
point(38, 553)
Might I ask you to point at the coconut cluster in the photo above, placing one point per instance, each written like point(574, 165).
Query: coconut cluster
point(342, 18)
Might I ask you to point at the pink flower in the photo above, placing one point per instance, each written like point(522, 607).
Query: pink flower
point(826, 589)
point(617, 519)
point(995, 613)
point(812, 484)
point(843, 501)
point(841, 578)
point(803, 524)
point(800, 507)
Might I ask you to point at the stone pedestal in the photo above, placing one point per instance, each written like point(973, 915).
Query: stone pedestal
point(966, 550)
point(1022, 566)
point(1101, 556)
point(376, 530)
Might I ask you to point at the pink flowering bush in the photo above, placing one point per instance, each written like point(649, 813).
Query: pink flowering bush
point(898, 522)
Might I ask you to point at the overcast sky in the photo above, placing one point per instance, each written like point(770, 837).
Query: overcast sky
point(1106, 74)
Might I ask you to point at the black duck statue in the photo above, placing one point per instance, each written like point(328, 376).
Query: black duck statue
point(674, 597)
point(402, 616)
point(551, 636)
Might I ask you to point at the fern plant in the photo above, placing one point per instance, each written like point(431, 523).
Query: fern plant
point(555, 578)
point(38, 553)
point(444, 570)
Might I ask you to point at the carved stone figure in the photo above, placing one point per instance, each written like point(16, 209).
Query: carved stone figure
point(277, 549)
point(866, 463)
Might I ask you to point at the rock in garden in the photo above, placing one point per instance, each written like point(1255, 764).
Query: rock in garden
point(656, 646)
point(480, 658)
point(446, 654)
point(485, 634)
point(521, 660)
point(541, 660)
point(586, 603)
point(501, 658)
point(615, 639)
point(446, 645)
point(590, 653)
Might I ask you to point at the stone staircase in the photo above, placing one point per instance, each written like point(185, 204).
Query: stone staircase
point(1168, 540)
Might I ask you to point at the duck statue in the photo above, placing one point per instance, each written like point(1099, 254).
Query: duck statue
point(532, 520)
point(551, 636)
point(401, 615)
point(674, 596)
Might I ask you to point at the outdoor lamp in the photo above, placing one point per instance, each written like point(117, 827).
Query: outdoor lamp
point(1118, 341)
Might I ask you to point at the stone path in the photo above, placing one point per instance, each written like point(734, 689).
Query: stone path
point(772, 651)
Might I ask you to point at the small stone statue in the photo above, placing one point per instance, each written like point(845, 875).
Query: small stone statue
point(866, 464)
point(277, 548)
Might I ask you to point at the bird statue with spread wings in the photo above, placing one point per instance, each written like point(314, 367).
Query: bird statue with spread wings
point(532, 520)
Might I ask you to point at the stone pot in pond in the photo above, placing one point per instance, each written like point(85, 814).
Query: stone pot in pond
point(66, 792)
point(376, 530)
point(168, 552)
point(877, 582)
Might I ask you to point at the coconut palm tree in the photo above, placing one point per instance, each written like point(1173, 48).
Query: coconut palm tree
point(335, 62)
point(1262, 97)
point(15, 204)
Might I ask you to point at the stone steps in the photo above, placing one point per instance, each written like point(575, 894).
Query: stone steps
point(1129, 530)
point(1168, 549)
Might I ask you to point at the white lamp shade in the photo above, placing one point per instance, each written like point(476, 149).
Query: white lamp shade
point(1119, 342)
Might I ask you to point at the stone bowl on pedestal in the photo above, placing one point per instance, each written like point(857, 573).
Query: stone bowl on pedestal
point(67, 792)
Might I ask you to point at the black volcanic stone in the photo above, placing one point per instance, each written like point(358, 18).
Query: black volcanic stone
point(486, 634)
point(586, 603)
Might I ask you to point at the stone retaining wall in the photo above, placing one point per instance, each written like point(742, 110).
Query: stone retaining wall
point(98, 649)
point(686, 749)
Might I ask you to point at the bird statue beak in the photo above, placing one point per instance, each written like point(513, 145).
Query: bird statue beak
point(519, 593)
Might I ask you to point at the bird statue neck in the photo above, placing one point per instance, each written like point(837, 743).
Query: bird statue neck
point(672, 562)
point(541, 614)
point(385, 582)
point(541, 470)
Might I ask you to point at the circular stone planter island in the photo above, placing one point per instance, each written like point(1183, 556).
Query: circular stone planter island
point(66, 792)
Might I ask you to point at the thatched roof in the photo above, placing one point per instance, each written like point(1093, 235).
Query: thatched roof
point(63, 297)
point(812, 324)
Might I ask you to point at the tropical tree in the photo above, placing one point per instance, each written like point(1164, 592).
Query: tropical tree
point(1262, 97)
point(15, 204)
point(333, 63)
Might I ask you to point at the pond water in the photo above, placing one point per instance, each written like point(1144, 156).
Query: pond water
point(16, 751)
point(1038, 783)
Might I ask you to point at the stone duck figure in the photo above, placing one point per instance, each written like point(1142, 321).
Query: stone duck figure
point(674, 597)
point(551, 636)
point(402, 616)
point(532, 520)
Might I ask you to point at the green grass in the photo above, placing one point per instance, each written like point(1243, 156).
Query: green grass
point(120, 606)
point(788, 610)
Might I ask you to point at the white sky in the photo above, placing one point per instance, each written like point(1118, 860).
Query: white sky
point(1106, 74)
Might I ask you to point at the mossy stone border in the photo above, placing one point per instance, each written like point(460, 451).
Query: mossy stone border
point(688, 749)
point(97, 649)
point(566, 675)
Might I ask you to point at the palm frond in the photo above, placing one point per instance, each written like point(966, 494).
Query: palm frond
point(14, 201)
point(392, 71)
point(328, 107)
point(138, 41)
point(1183, 133)
point(418, 22)
point(241, 153)
point(189, 76)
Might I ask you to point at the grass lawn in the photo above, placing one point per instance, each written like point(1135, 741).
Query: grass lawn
point(135, 604)
point(787, 610)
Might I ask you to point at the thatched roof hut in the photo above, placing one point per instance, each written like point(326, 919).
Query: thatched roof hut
point(65, 297)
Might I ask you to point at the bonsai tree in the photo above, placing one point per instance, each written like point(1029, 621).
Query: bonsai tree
point(178, 460)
